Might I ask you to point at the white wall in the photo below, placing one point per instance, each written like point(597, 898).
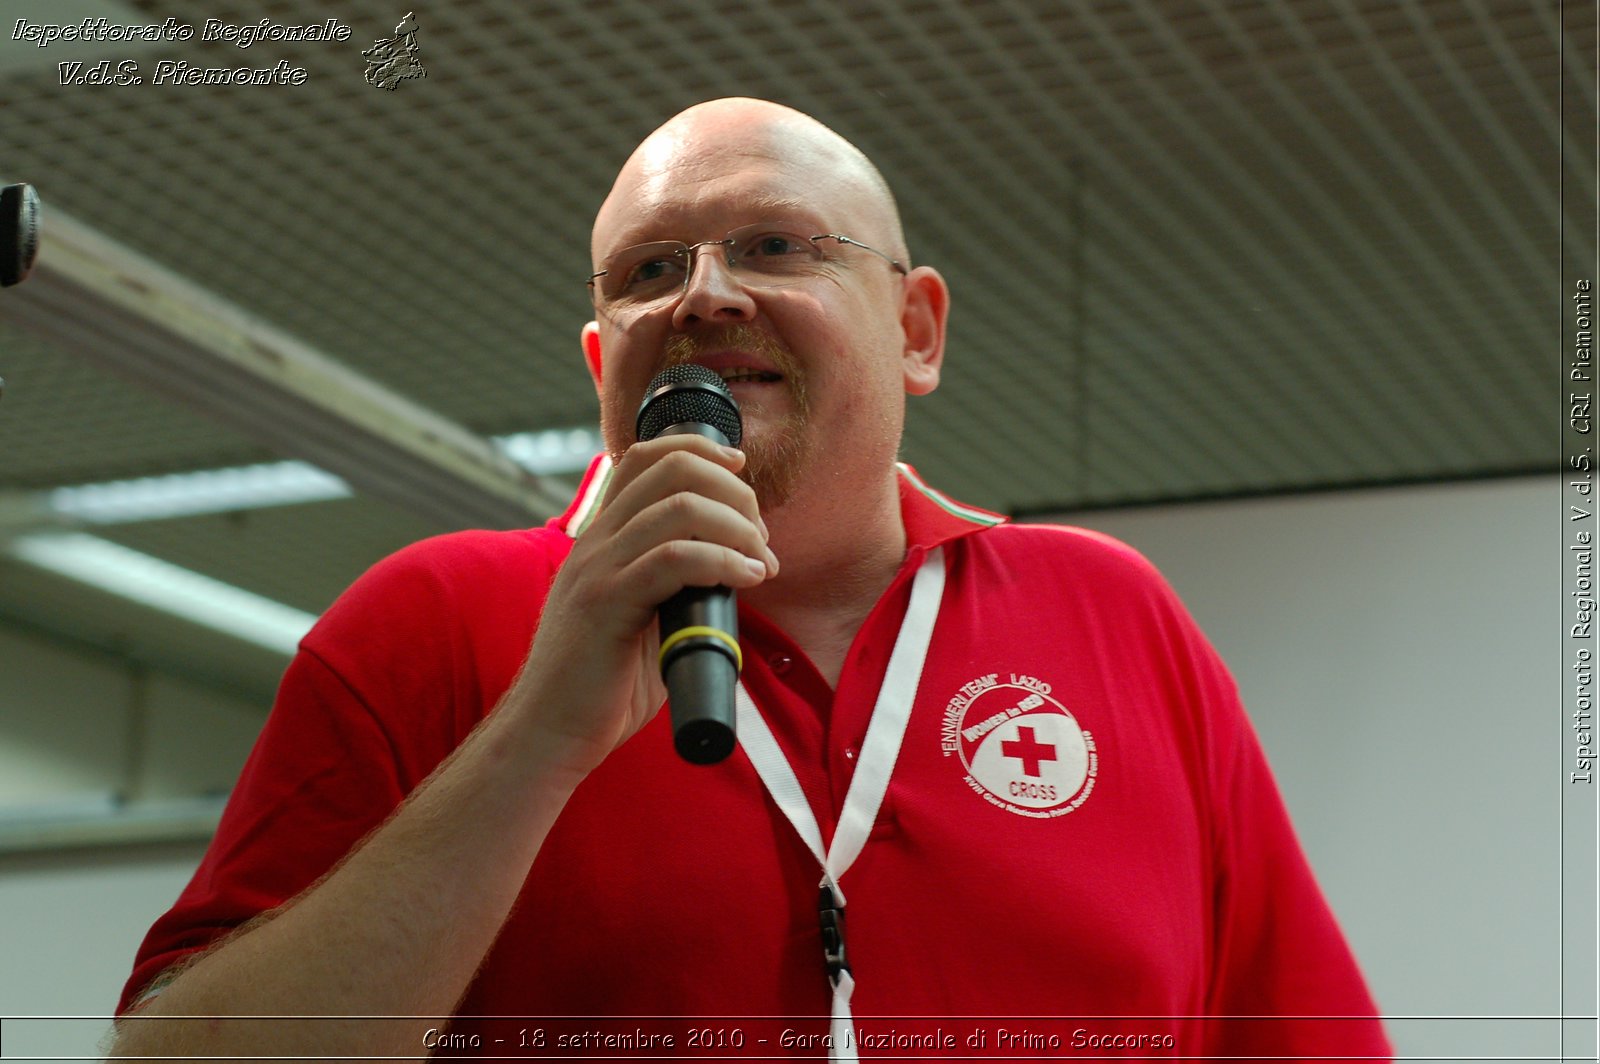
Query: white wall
point(1399, 650)
point(76, 725)
point(1400, 653)
point(71, 923)
point(78, 730)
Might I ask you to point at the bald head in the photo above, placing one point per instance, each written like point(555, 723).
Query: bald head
point(833, 350)
point(699, 150)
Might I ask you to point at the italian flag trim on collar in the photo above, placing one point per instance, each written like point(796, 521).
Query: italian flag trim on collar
point(589, 496)
point(946, 503)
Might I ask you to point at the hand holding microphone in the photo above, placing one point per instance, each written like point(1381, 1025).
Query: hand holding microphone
point(700, 657)
point(675, 515)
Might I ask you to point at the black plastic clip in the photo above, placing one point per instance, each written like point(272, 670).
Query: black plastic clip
point(831, 910)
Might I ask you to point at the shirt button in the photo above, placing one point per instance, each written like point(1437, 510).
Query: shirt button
point(780, 663)
point(849, 753)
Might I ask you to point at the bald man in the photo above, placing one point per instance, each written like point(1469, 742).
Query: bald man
point(1004, 751)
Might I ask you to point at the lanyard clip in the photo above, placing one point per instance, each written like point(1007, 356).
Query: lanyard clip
point(830, 908)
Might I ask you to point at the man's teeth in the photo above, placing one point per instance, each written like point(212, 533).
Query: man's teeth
point(747, 375)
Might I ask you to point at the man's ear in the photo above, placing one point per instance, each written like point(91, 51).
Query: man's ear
point(590, 341)
point(922, 320)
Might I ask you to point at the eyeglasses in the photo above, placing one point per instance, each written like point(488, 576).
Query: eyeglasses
point(764, 255)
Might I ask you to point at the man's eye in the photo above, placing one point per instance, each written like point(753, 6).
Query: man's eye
point(655, 269)
point(777, 245)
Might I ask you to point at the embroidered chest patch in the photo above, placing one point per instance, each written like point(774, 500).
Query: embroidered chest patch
point(1022, 750)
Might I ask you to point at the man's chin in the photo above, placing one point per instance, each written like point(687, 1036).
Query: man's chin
point(774, 463)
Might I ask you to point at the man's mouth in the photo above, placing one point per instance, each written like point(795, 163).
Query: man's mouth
point(747, 375)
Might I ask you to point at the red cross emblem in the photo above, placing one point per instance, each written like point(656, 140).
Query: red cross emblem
point(1029, 751)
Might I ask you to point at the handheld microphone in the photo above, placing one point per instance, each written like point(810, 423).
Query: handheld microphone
point(700, 657)
point(19, 232)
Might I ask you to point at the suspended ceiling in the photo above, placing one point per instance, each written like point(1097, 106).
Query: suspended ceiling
point(1197, 248)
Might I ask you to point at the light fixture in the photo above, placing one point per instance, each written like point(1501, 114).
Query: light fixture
point(164, 586)
point(126, 572)
point(552, 452)
point(209, 491)
point(204, 491)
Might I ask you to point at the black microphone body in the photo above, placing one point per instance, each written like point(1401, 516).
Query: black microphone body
point(699, 626)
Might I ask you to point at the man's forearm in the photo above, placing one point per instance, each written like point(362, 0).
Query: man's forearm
point(397, 929)
point(401, 925)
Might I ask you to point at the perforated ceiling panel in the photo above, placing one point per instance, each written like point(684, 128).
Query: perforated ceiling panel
point(1196, 247)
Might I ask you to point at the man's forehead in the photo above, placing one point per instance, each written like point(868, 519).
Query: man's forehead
point(694, 213)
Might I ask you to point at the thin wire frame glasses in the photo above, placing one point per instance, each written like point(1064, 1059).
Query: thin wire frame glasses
point(764, 255)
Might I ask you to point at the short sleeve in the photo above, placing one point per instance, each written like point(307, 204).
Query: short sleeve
point(390, 680)
point(321, 776)
point(1279, 955)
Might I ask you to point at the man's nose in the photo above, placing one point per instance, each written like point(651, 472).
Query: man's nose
point(712, 291)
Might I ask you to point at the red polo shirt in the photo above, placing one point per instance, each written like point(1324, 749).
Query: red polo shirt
point(1080, 823)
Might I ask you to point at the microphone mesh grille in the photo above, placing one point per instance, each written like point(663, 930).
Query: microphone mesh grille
point(689, 393)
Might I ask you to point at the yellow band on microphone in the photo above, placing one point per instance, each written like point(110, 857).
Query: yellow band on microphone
point(700, 629)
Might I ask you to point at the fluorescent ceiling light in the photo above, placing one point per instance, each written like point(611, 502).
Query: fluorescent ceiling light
point(552, 451)
point(164, 586)
point(204, 491)
point(253, 487)
point(173, 589)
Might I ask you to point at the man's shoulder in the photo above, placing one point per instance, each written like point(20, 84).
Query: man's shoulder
point(457, 574)
point(1066, 548)
point(1066, 564)
point(476, 551)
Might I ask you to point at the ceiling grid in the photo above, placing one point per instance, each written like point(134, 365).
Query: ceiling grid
point(1167, 222)
point(1442, 286)
point(1258, 193)
point(1196, 248)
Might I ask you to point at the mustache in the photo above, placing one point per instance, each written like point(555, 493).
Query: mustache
point(686, 347)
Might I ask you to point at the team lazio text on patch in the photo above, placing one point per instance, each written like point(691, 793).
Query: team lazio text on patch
point(1021, 748)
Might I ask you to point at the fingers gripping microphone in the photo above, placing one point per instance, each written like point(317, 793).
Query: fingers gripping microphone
point(700, 656)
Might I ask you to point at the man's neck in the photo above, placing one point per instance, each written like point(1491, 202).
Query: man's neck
point(836, 557)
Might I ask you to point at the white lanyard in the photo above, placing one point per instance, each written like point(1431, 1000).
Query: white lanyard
point(879, 751)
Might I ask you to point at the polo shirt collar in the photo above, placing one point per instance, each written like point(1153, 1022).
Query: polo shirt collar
point(930, 516)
